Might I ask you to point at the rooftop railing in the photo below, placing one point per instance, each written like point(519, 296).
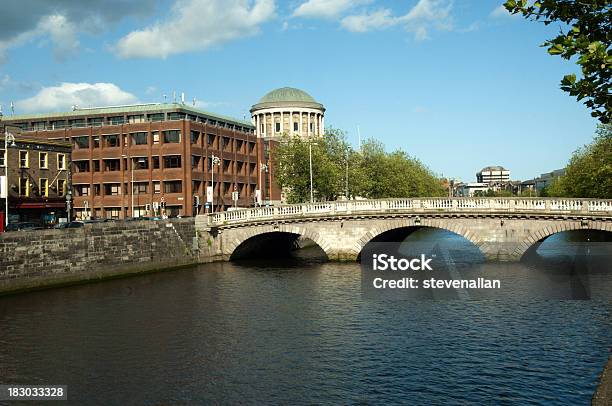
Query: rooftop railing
point(417, 205)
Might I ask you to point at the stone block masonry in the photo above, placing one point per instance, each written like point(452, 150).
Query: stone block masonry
point(41, 258)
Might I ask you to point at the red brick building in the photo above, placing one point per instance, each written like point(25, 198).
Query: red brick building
point(154, 159)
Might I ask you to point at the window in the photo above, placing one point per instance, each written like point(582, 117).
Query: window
point(195, 161)
point(156, 187)
point(116, 120)
point(226, 143)
point(97, 190)
point(2, 158)
point(173, 186)
point(277, 127)
point(227, 165)
point(155, 135)
point(112, 189)
point(96, 121)
point(23, 159)
point(172, 161)
point(43, 160)
point(140, 163)
point(176, 116)
point(81, 190)
point(125, 140)
point(61, 187)
point(44, 187)
point(112, 212)
point(81, 166)
point(139, 138)
point(80, 142)
point(38, 125)
point(156, 117)
point(61, 162)
point(155, 161)
point(141, 188)
point(24, 187)
point(296, 126)
point(58, 124)
point(77, 122)
point(195, 137)
point(96, 165)
point(96, 141)
point(172, 136)
point(111, 141)
point(111, 165)
point(136, 119)
point(211, 139)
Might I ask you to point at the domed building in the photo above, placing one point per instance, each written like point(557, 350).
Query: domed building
point(288, 111)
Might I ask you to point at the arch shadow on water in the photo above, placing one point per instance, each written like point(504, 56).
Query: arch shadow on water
point(279, 246)
point(413, 241)
point(578, 257)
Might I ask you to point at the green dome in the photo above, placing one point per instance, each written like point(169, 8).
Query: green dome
point(287, 97)
point(287, 94)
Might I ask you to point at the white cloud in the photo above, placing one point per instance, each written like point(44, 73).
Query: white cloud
point(66, 95)
point(196, 25)
point(366, 22)
point(424, 16)
point(326, 8)
point(501, 12)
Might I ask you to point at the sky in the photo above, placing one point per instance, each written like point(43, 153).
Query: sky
point(458, 84)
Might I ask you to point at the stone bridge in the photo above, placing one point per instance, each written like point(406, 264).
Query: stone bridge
point(502, 228)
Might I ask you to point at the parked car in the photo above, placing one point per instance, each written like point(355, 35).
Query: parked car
point(22, 226)
point(75, 224)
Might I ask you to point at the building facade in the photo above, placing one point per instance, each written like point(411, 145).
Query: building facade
point(288, 111)
point(36, 175)
point(152, 159)
point(493, 174)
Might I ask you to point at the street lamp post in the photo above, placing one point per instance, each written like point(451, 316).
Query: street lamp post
point(9, 141)
point(215, 160)
point(263, 168)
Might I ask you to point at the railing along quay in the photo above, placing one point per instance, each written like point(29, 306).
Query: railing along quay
point(416, 206)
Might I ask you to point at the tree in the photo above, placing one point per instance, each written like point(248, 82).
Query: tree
point(588, 37)
point(372, 172)
point(589, 172)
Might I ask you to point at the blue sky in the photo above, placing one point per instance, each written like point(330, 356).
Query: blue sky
point(459, 84)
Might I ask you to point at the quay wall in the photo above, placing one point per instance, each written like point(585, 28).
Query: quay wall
point(42, 258)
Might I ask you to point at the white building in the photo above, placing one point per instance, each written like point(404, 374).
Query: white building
point(468, 189)
point(288, 111)
point(493, 174)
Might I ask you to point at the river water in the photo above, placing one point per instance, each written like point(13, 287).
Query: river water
point(301, 332)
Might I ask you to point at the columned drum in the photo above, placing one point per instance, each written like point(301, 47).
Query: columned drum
point(288, 111)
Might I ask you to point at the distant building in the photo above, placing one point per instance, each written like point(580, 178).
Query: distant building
point(493, 174)
point(38, 178)
point(546, 179)
point(470, 188)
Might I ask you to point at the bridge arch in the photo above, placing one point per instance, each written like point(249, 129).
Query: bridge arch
point(390, 225)
point(547, 231)
point(251, 233)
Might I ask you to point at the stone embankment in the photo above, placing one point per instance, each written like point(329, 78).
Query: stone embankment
point(43, 258)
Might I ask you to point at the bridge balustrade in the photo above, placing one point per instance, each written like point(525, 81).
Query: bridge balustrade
point(418, 205)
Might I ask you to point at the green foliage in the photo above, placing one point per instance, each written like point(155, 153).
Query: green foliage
point(372, 172)
point(589, 172)
point(588, 37)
